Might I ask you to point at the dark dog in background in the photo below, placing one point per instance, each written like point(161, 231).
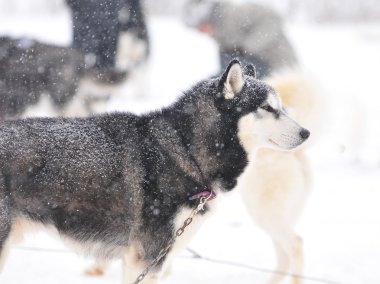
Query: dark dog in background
point(91, 71)
point(29, 69)
point(251, 32)
point(98, 30)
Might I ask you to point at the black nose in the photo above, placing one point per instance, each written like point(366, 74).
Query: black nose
point(304, 133)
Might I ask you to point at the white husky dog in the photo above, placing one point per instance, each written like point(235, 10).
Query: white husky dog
point(276, 186)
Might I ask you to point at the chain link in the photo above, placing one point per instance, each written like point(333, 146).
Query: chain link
point(178, 233)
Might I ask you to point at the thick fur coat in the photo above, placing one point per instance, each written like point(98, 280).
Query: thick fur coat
point(115, 184)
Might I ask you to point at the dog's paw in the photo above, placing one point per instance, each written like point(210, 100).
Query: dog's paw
point(95, 271)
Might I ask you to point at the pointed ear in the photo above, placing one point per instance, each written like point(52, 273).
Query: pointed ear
point(232, 80)
point(250, 70)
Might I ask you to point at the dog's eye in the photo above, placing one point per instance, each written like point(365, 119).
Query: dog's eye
point(270, 109)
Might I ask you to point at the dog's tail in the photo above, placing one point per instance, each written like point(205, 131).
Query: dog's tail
point(303, 99)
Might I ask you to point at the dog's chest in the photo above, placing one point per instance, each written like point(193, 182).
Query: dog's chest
point(190, 231)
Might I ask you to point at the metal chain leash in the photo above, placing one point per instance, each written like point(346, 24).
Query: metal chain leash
point(178, 233)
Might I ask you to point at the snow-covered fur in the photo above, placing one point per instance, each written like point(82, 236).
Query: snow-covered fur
point(118, 185)
point(249, 31)
point(276, 185)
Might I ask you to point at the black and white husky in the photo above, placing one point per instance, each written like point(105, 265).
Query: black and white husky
point(119, 185)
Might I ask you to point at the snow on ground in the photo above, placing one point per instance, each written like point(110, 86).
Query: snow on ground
point(340, 226)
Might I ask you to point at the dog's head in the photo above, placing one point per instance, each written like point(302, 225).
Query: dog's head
point(262, 121)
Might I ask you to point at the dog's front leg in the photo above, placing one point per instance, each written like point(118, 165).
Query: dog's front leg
point(98, 269)
point(134, 265)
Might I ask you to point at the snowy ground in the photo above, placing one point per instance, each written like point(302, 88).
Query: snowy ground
point(341, 224)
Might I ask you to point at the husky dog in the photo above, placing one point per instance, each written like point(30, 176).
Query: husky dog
point(30, 70)
point(251, 32)
point(119, 185)
point(276, 186)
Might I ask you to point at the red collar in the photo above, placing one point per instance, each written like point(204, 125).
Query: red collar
point(210, 195)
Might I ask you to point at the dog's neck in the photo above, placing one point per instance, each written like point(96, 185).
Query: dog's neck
point(211, 140)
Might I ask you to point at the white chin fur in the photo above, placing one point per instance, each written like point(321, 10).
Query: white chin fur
point(279, 146)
